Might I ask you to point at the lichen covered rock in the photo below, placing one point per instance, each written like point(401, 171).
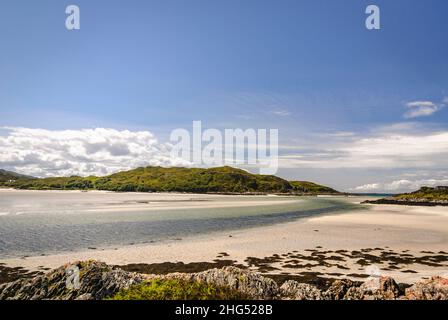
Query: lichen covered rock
point(435, 288)
point(299, 291)
point(250, 283)
point(96, 281)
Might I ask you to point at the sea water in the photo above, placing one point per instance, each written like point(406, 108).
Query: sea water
point(47, 222)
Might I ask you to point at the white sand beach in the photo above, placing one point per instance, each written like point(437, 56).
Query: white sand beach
point(416, 236)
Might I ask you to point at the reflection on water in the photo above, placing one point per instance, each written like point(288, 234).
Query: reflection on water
point(34, 223)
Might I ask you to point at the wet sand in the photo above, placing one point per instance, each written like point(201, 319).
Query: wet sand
point(407, 243)
point(108, 201)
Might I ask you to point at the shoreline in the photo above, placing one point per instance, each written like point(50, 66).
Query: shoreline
point(167, 200)
point(407, 243)
point(253, 194)
point(407, 203)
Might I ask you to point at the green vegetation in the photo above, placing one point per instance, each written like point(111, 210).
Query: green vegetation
point(158, 179)
point(6, 176)
point(425, 194)
point(175, 289)
point(310, 187)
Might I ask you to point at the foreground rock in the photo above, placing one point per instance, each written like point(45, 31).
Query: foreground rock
point(294, 290)
point(435, 288)
point(250, 283)
point(98, 281)
point(253, 284)
point(376, 288)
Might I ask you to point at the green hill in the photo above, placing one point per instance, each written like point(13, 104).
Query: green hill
point(9, 175)
point(425, 196)
point(158, 179)
point(311, 187)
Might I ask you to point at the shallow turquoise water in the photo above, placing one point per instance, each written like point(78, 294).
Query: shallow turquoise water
point(44, 223)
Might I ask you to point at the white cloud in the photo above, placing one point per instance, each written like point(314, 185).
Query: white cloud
point(84, 152)
point(368, 187)
point(402, 185)
point(420, 109)
point(415, 104)
point(281, 113)
point(445, 101)
point(382, 149)
point(339, 134)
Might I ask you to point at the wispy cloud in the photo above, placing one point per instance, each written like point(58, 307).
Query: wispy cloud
point(400, 185)
point(281, 113)
point(370, 187)
point(339, 134)
point(383, 148)
point(445, 101)
point(420, 109)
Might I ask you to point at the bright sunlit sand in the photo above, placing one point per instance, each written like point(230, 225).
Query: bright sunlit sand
point(381, 231)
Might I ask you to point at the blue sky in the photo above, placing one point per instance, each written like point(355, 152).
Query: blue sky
point(309, 68)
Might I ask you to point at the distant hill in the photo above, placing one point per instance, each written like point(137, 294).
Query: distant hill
point(425, 196)
point(194, 180)
point(9, 175)
point(311, 187)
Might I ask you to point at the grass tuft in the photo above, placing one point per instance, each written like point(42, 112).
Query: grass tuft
point(175, 289)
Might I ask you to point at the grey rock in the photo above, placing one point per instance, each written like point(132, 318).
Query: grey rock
point(299, 291)
point(339, 289)
point(381, 288)
point(253, 284)
point(97, 281)
point(85, 296)
point(245, 281)
point(435, 288)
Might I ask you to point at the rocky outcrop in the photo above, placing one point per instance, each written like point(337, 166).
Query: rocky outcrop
point(250, 283)
point(293, 290)
point(94, 280)
point(342, 290)
point(425, 196)
point(375, 288)
point(253, 284)
point(381, 288)
point(435, 288)
point(409, 202)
